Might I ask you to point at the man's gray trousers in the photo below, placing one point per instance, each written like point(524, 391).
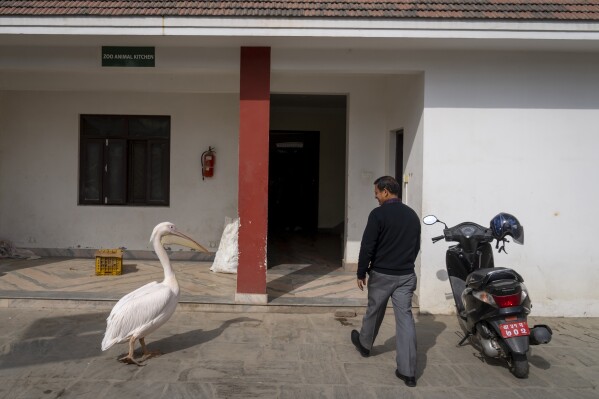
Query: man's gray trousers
point(400, 289)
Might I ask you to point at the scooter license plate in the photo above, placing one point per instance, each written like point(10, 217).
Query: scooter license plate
point(515, 329)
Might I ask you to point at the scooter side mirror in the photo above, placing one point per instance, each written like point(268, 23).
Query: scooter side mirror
point(430, 219)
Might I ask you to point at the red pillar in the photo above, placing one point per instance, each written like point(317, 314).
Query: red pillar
point(254, 115)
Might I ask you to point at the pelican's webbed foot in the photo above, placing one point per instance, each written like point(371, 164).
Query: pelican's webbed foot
point(147, 353)
point(129, 360)
point(150, 354)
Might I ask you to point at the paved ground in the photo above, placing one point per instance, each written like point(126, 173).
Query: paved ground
point(51, 353)
point(53, 312)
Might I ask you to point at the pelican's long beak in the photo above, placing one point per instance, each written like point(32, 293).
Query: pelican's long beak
point(178, 238)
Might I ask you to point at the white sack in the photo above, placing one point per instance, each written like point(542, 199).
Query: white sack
point(225, 260)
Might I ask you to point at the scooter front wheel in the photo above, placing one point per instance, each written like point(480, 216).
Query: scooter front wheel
point(519, 365)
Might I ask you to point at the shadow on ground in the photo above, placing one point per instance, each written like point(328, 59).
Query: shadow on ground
point(186, 340)
point(76, 337)
point(428, 329)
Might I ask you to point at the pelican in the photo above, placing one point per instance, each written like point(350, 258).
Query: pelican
point(142, 311)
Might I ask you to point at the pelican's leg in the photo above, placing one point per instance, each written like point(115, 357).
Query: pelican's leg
point(147, 354)
point(129, 358)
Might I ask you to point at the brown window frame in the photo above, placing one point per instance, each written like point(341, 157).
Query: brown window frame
point(111, 173)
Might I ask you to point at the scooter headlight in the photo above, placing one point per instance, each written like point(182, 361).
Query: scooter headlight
point(484, 297)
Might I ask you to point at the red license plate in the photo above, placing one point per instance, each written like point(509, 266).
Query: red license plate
point(515, 329)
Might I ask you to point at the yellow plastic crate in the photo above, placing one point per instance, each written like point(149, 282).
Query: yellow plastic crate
point(109, 262)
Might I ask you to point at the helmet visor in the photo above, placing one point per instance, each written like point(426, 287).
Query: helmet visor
point(518, 233)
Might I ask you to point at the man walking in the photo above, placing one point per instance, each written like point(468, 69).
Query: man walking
point(389, 247)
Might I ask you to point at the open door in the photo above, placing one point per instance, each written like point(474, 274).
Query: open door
point(293, 182)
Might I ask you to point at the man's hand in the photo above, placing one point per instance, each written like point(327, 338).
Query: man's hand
point(361, 283)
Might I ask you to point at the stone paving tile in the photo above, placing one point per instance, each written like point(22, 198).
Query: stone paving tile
point(481, 375)
point(544, 393)
point(7, 385)
point(319, 337)
point(323, 373)
point(587, 357)
point(402, 392)
point(36, 388)
point(277, 350)
point(353, 391)
point(136, 389)
point(161, 368)
point(244, 390)
point(580, 393)
point(566, 333)
point(231, 351)
point(276, 371)
point(83, 390)
point(304, 392)
point(57, 370)
point(371, 374)
point(565, 377)
point(212, 370)
point(438, 376)
point(491, 393)
point(431, 355)
point(190, 390)
point(347, 353)
point(316, 352)
point(590, 374)
point(106, 368)
point(433, 393)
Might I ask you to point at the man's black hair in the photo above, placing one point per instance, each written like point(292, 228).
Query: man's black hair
point(389, 183)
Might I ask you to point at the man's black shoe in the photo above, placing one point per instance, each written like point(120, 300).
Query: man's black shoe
point(410, 381)
point(355, 339)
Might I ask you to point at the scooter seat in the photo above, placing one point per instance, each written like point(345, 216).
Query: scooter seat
point(481, 277)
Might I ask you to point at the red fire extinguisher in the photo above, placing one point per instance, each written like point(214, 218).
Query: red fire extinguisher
point(208, 159)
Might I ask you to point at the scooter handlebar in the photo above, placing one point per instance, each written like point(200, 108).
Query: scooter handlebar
point(435, 239)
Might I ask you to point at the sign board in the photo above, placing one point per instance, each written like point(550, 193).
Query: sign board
point(113, 56)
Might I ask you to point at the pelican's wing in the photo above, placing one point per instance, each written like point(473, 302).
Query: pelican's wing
point(140, 292)
point(135, 311)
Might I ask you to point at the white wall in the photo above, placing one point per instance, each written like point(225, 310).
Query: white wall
point(499, 131)
point(517, 133)
point(39, 170)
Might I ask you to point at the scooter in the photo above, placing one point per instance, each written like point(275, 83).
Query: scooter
point(492, 303)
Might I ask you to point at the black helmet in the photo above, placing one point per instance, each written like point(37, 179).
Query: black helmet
point(505, 224)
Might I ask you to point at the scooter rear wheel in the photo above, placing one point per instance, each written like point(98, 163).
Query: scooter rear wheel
point(519, 365)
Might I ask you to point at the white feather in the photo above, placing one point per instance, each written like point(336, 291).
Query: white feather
point(139, 313)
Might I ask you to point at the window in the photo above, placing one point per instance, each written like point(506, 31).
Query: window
point(124, 160)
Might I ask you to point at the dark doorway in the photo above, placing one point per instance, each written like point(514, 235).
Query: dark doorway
point(399, 160)
point(293, 182)
point(306, 201)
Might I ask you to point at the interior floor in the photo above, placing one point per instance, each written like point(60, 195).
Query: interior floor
point(321, 249)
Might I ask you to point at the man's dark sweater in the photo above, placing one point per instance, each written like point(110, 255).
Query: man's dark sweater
point(391, 240)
